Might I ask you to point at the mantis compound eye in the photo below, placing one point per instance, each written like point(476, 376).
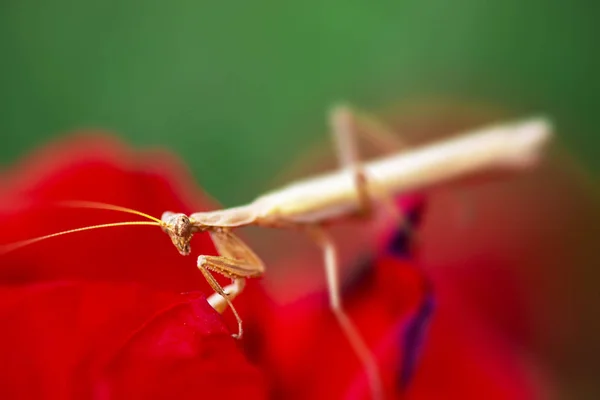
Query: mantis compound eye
point(180, 229)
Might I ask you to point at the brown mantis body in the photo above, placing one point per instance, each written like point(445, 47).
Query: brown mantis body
point(309, 205)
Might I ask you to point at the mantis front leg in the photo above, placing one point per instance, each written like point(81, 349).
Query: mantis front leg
point(236, 261)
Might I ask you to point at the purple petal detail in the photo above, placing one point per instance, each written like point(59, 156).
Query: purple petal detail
point(399, 243)
point(412, 339)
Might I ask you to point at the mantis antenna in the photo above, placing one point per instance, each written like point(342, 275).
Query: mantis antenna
point(14, 246)
point(87, 204)
point(106, 206)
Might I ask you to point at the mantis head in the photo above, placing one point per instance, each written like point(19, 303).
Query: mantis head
point(180, 229)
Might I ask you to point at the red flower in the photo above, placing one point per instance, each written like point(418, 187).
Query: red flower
point(118, 313)
point(427, 344)
point(113, 313)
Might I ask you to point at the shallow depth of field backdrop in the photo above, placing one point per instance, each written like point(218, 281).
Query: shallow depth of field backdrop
point(239, 89)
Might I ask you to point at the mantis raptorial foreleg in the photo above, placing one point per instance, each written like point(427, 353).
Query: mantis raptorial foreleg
point(236, 261)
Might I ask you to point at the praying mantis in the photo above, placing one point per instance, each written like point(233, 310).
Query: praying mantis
point(354, 189)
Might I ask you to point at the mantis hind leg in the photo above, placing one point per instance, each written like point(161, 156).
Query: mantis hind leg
point(350, 330)
point(346, 126)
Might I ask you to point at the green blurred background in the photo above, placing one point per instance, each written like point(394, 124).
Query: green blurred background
point(237, 88)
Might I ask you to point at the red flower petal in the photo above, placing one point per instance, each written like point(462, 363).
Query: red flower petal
point(184, 352)
point(311, 357)
point(462, 358)
point(101, 170)
point(84, 340)
point(465, 359)
point(101, 313)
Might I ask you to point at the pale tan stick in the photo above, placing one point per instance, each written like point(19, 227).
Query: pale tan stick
point(333, 195)
point(219, 302)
